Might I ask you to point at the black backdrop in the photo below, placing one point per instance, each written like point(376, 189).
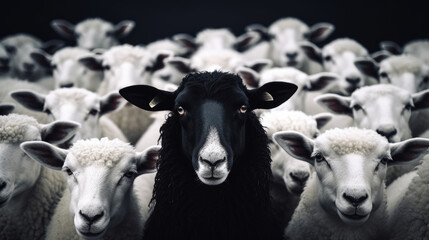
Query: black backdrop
point(367, 21)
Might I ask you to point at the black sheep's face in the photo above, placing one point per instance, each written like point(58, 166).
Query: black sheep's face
point(213, 130)
point(212, 108)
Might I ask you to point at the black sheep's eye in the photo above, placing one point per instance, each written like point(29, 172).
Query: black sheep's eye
point(129, 174)
point(327, 58)
point(93, 112)
point(180, 110)
point(357, 107)
point(243, 109)
point(384, 75)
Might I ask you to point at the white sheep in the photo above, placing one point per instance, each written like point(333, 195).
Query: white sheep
point(216, 59)
point(338, 57)
point(101, 201)
point(79, 105)
point(28, 191)
point(4, 62)
point(384, 108)
point(19, 48)
point(67, 70)
point(93, 32)
point(417, 48)
point(284, 37)
point(346, 199)
point(289, 174)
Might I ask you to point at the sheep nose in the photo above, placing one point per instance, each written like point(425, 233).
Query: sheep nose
point(2, 185)
point(212, 163)
point(387, 130)
point(353, 80)
point(91, 219)
point(28, 66)
point(300, 177)
point(292, 55)
point(355, 200)
point(4, 61)
point(67, 85)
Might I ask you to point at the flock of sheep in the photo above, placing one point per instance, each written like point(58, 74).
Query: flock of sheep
point(248, 148)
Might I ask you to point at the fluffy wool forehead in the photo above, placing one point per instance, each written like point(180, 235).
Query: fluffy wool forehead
point(276, 121)
point(226, 59)
point(125, 53)
point(100, 152)
point(413, 46)
point(351, 140)
point(342, 45)
point(288, 23)
point(14, 126)
point(208, 34)
point(402, 64)
point(162, 45)
point(72, 53)
point(94, 23)
point(372, 92)
point(22, 39)
point(284, 74)
point(76, 96)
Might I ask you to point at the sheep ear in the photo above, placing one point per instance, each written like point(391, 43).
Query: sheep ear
point(320, 81)
point(335, 103)
point(42, 58)
point(183, 65)
point(312, 51)
point(391, 47)
point(368, 67)
point(10, 49)
point(158, 62)
point(59, 131)
point(408, 151)
point(186, 41)
point(271, 95)
point(421, 100)
point(123, 28)
point(322, 119)
point(379, 56)
point(146, 160)
point(92, 63)
point(31, 100)
point(52, 46)
point(64, 28)
point(320, 31)
point(295, 144)
point(261, 31)
point(45, 153)
point(245, 41)
point(259, 65)
point(148, 98)
point(111, 102)
point(5, 109)
point(249, 76)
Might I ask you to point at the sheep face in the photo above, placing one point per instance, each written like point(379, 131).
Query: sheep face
point(24, 67)
point(351, 165)
point(4, 61)
point(212, 109)
point(418, 49)
point(100, 173)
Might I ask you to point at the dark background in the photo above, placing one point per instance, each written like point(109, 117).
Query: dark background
point(369, 22)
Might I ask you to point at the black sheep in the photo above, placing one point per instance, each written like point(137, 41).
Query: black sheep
point(214, 168)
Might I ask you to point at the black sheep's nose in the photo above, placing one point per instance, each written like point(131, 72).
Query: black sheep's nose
point(355, 200)
point(212, 163)
point(91, 219)
point(292, 55)
point(353, 80)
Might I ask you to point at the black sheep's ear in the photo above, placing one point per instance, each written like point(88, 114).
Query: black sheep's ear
point(148, 98)
point(271, 95)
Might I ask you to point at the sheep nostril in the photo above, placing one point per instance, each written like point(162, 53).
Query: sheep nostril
point(353, 80)
point(2, 185)
point(292, 55)
point(68, 85)
point(387, 131)
point(355, 200)
point(91, 219)
point(300, 177)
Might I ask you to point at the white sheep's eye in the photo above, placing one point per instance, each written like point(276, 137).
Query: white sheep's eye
point(165, 77)
point(106, 67)
point(384, 75)
point(357, 107)
point(130, 174)
point(93, 112)
point(243, 109)
point(54, 66)
point(408, 107)
point(384, 160)
point(47, 111)
point(68, 171)
point(319, 158)
point(180, 110)
point(327, 58)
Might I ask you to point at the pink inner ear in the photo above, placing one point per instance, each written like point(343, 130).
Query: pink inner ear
point(150, 163)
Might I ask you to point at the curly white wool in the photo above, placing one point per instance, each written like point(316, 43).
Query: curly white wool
point(351, 140)
point(369, 93)
point(76, 96)
point(19, 40)
point(103, 151)
point(288, 23)
point(14, 126)
point(70, 53)
point(125, 53)
point(276, 121)
point(92, 23)
point(346, 44)
point(289, 74)
point(404, 63)
point(209, 34)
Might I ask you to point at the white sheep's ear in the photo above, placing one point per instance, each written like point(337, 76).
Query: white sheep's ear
point(322, 119)
point(52, 46)
point(250, 77)
point(92, 63)
point(259, 65)
point(245, 41)
point(42, 58)
point(159, 60)
point(111, 102)
point(45, 153)
point(146, 160)
point(312, 51)
point(5, 109)
point(391, 47)
point(59, 131)
point(320, 31)
point(182, 65)
point(335, 103)
point(123, 28)
point(421, 100)
point(29, 99)
point(408, 151)
point(320, 81)
point(295, 144)
point(379, 56)
point(368, 67)
point(186, 41)
point(64, 28)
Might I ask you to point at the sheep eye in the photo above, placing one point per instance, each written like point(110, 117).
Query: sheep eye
point(165, 77)
point(106, 67)
point(243, 109)
point(408, 107)
point(68, 171)
point(54, 66)
point(129, 174)
point(319, 158)
point(93, 112)
point(384, 160)
point(327, 58)
point(384, 75)
point(47, 111)
point(180, 110)
point(357, 107)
